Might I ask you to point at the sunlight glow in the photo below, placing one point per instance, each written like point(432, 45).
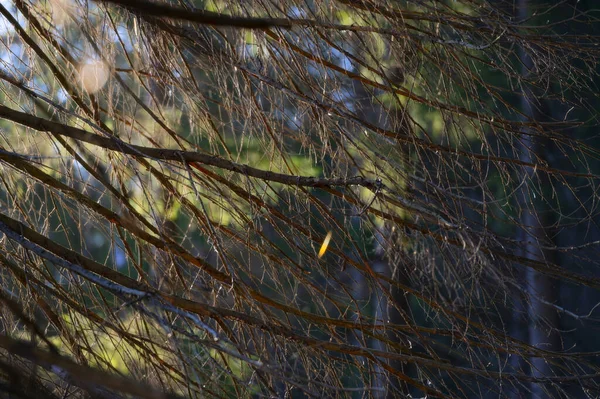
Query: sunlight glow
point(93, 76)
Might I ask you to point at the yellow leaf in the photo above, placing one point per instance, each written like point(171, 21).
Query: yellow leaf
point(325, 245)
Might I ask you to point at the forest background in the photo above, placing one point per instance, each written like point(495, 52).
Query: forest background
point(349, 198)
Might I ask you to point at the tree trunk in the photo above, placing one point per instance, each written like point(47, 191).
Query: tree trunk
point(542, 318)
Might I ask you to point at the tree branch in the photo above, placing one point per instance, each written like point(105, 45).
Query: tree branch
point(115, 144)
